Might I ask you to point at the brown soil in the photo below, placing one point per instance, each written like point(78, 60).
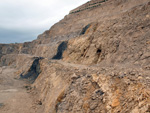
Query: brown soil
point(102, 66)
point(14, 95)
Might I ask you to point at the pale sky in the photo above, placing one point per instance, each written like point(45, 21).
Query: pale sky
point(24, 20)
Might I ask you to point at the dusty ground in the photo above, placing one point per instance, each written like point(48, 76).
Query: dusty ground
point(104, 64)
point(63, 87)
point(14, 97)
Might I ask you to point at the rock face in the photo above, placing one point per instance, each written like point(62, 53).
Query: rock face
point(121, 38)
point(89, 5)
point(65, 88)
point(95, 60)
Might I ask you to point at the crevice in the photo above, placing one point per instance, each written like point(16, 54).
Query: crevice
point(33, 72)
point(98, 51)
point(61, 48)
point(85, 29)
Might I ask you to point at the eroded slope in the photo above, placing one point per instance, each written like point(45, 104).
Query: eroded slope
point(111, 40)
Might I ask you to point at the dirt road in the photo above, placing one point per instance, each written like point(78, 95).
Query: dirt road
point(14, 98)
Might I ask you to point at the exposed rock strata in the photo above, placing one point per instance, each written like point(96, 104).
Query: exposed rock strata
point(65, 88)
point(103, 66)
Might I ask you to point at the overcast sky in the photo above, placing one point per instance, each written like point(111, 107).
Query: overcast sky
point(24, 20)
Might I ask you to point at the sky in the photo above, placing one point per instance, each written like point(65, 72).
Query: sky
point(24, 20)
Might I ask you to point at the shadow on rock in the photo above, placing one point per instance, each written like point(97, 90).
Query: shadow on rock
point(33, 71)
point(61, 48)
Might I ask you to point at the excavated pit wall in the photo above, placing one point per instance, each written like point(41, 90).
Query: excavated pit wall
point(117, 40)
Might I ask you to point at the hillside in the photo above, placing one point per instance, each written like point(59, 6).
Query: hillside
point(95, 60)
